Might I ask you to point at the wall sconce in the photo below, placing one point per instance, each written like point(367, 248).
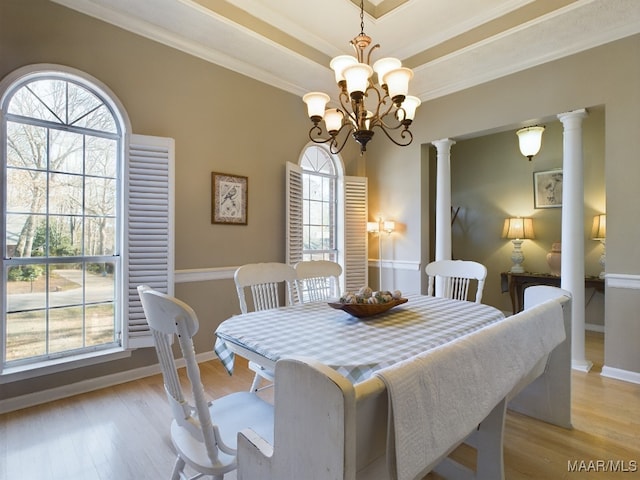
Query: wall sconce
point(517, 229)
point(378, 227)
point(599, 232)
point(530, 140)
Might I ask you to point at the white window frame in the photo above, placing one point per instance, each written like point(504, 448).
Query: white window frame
point(351, 219)
point(147, 218)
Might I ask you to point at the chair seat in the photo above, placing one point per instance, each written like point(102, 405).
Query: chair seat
point(233, 413)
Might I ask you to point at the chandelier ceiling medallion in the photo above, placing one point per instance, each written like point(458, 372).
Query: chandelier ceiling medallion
point(364, 105)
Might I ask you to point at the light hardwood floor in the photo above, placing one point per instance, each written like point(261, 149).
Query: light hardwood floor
point(122, 432)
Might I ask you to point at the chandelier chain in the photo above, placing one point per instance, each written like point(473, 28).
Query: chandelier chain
point(361, 17)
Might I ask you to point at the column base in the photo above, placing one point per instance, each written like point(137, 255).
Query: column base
point(581, 365)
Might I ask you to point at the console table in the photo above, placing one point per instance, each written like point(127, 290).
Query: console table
point(515, 283)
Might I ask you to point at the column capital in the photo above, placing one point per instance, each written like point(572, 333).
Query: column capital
point(573, 115)
point(443, 144)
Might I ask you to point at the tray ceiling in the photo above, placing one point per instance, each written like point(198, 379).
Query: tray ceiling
point(450, 45)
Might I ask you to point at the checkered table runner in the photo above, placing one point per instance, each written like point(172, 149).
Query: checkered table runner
point(354, 347)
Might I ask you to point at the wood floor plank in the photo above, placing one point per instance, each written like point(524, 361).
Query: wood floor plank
point(122, 432)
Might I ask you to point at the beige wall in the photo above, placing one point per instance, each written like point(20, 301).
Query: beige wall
point(222, 121)
point(607, 77)
point(491, 181)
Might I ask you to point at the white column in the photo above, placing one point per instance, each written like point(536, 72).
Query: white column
point(573, 231)
point(443, 199)
point(443, 204)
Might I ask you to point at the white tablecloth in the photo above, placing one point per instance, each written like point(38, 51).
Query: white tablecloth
point(352, 346)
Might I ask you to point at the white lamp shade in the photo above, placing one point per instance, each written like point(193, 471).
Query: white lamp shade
point(316, 101)
point(518, 228)
point(357, 77)
point(398, 81)
point(410, 105)
point(599, 230)
point(339, 63)
point(389, 226)
point(384, 65)
point(333, 119)
point(373, 227)
point(530, 140)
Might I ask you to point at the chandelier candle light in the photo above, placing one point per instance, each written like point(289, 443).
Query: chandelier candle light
point(364, 105)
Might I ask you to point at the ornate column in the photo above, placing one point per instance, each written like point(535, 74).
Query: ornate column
point(443, 204)
point(443, 199)
point(572, 277)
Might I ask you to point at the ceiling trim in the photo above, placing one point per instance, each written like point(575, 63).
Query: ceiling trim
point(578, 26)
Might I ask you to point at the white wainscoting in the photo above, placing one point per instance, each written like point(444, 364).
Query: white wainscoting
point(621, 280)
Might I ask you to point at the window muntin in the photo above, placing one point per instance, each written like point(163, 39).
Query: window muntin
point(319, 200)
point(61, 255)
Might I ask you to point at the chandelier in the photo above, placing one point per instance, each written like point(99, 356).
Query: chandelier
point(364, 105)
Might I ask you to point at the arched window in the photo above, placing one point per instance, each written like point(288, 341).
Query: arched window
point(327, 214)
point(320, 204)
point(68, 190)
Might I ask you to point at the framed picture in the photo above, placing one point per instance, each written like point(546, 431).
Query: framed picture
point(547, 189)
point(229, 199)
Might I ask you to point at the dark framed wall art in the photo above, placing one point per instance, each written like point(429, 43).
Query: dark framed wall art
point(229, 198)
point(547, 189)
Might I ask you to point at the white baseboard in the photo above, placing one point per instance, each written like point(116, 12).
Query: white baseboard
point(89, 385)
point(592, 327)
point(619, 374)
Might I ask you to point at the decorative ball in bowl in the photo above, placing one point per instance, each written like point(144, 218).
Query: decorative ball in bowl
point(367, 303)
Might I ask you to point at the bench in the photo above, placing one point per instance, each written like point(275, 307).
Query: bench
point(329, 429)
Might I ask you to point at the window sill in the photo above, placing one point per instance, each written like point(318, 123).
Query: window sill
point(60, 365)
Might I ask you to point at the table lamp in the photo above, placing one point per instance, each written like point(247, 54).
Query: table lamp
point(599, 232)
point(517, 230)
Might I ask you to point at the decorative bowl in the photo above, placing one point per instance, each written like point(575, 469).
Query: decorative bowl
point(362, 310)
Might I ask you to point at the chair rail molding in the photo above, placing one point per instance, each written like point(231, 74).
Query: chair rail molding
point(622, 280)
point(204, 274)
point(394, 264)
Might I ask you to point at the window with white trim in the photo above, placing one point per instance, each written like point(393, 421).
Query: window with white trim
point(320, 205)
point(327, 215)
point(67, 191)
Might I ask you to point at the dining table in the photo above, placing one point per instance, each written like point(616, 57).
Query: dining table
point(355, 347)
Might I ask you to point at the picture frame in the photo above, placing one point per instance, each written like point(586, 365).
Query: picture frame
point(547, 188)
point(229, 199)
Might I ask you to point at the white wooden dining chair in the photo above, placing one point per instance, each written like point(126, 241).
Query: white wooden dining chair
point(265, 281)
point(204, 435)
point(456, 276)
point(318, 280)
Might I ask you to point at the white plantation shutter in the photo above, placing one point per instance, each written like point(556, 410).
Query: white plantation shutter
point(149, 228)
point(352, 226)
point(355, 241)
point(294, 213)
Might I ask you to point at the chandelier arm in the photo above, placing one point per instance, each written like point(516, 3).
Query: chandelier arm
point(385, 113)
point(377, 45)
point(332, 140)
point(386, 126)
point(345, 108)
point(404, 133)
point(333, 146)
